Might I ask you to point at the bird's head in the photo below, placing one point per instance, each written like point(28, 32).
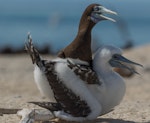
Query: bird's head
point(96, 13)
point(112, 57)
point(93, 14)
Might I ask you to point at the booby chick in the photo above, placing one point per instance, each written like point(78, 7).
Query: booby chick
point(60, 80)
point(112, 88)
point(76, 100)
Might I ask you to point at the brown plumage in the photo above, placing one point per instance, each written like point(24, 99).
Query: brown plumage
point(80, 47)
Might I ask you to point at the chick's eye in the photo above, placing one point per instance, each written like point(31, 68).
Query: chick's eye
point(115, 56)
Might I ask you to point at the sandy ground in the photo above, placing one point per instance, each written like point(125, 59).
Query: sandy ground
point(17, 87)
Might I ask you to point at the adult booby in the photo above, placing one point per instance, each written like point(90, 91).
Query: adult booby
point(80, 47)
point(76, 99)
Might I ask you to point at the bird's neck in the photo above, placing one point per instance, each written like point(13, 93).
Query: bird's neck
point(105, 72)
point(101, 67)
point(82, 42)
point(80, 48)
point(85, 27)
point(84, 37)
point(84, 31)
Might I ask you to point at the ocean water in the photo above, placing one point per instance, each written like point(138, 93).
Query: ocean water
point(55, 22)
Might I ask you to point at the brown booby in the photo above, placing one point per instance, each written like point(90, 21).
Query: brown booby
point(80, 47)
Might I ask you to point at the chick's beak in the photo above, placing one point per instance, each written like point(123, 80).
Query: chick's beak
point(118, 61)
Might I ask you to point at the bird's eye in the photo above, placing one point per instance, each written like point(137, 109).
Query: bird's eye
point(96, 8)
point(115, 56)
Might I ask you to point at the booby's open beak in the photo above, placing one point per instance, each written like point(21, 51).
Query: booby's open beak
point(118, 61)
point(107, 11)
point(99, 14)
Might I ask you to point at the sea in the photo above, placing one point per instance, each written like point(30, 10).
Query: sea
point(55, 22)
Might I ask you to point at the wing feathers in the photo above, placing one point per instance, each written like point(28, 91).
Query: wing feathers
point(84, 72)
point(67, 101)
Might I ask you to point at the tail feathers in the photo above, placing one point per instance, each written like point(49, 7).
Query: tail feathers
point(32, 51)
point(48, 105)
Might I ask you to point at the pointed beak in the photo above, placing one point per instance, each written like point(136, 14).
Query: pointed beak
point(107, 11)
point(118, 61)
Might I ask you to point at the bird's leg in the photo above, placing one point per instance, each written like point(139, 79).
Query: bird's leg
point(32, 115)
